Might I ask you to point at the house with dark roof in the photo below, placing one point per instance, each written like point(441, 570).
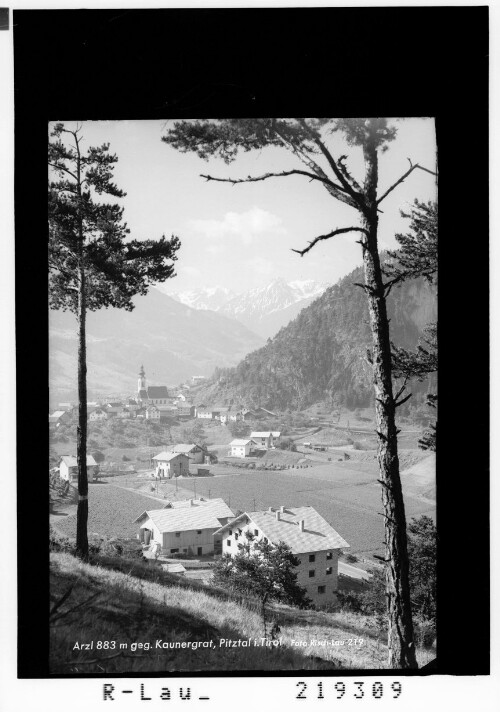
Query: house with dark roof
point(196, 453)
point(310, 537)
point(267, 438)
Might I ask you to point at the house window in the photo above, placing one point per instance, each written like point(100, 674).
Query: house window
point(329, 570)
point(174, 551)
point(312, 573)
point(256, 532)
point(329, 555)
point(266, 541)
point(228, 542)
point(230, 531)
point(312, 558)
point(321, 589)
point(177, 534)
point(198, 531)
point(236, 537)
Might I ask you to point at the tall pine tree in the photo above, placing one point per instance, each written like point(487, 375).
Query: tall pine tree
point(308, 140)
point(92, 262)
point(418, 257)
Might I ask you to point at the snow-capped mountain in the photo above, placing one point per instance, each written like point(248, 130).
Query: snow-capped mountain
point(264, 310)
point(212, 298)
point(276, 296)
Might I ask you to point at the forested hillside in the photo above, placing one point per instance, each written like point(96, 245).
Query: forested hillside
point(322, 353)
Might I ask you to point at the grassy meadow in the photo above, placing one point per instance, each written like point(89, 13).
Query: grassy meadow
point(130, 602)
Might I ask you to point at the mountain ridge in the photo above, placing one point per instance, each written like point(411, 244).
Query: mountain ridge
point(321, 354)
point(173, 341)
point(263, 310)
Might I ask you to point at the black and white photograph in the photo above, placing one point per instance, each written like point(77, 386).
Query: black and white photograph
point(242, 414)
point(251, 352)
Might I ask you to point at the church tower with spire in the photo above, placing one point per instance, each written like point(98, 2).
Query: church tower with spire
point(142, 393)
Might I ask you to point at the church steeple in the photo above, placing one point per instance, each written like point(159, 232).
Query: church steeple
point(141, 383)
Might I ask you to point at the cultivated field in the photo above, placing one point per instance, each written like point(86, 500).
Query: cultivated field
point(111, 512)
point(346, 494)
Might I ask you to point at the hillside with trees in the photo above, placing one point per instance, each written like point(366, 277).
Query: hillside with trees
point(322, 354)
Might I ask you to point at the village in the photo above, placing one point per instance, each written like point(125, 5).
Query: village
point(189, 502)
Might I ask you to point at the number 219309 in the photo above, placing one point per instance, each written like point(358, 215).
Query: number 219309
point(355, 689)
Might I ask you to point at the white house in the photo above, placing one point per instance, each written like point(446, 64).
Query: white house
point(241, 447)
point(222, 415)
point(171, 464)
point(152, 413)
point(68, 468)
point(97, 415)
point(267, 439)
point(196, 453)
point(186, 527)
point(312, 540)
point(205, 413)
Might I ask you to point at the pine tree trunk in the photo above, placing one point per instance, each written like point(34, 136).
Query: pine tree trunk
point(82, 513)
point(400, 634)
point(82, 544)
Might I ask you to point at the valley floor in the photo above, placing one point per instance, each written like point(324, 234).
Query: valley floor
point(345, 493)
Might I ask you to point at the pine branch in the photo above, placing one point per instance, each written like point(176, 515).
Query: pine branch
point(62, 168)
point(413, 166)
point(331, 162)
point(265, 176)
point(338, 231)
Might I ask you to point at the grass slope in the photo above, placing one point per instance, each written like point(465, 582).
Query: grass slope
point(142, 604)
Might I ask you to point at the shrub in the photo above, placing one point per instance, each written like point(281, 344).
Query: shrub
point(422, 556)
point(98, 455)
point(288, 444)
point(351, 558)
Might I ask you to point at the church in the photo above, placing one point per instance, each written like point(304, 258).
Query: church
point(150, 395)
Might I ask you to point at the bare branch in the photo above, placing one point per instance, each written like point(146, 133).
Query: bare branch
point(338, 231)
point(401, 390)
point(403, 177)
point(265, 176)
point(398, 403)
point(390, 284)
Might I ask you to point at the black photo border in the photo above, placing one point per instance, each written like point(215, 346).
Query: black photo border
point(186, 63)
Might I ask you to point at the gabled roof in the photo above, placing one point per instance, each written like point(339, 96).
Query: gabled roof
point(266, 434)
point(157, 392)
point(318, 535)
point(240, 441)
point(58, 413)
point(166, 456)
point(187, 448)
point(71, 461)
point(193, 514)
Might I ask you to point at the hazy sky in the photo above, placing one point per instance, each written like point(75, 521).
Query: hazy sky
point(241, 236)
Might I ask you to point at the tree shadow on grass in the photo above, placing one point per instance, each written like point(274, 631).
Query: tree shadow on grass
point(114, 617)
